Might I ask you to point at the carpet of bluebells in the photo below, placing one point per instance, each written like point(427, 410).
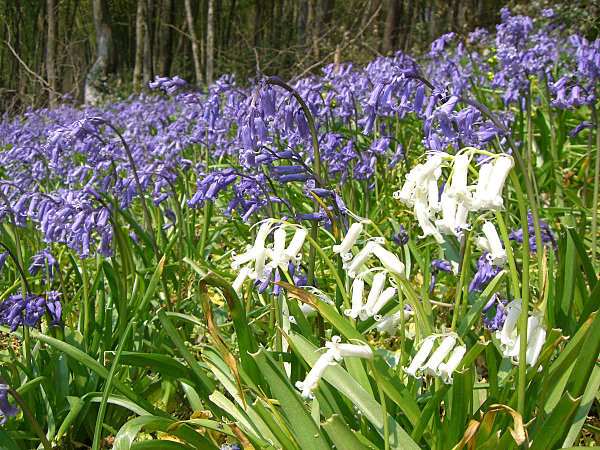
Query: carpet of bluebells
point(400, 255)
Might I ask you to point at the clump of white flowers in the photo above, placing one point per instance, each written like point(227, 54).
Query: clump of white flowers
point(434, 365)
point(458, 198)
point(336, 351)
point(510, 339)
point(255, 257)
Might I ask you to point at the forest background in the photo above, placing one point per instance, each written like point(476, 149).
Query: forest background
point(54, 51)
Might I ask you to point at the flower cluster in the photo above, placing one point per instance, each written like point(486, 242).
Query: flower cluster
point(279, 255)
point(28, 309)
point(434, 365)
point(510, 339)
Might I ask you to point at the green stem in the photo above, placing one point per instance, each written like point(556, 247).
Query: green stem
point(596, 187)
point(465, 251)
point(386, 428)
point(514, 275)
point(522, 384)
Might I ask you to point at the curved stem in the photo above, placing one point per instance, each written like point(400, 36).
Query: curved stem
point(27, 413)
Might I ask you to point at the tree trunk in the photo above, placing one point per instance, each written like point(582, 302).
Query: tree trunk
point(51, 54)
point(210, 39)
point(195, 50)
point(147, 59)
point(139, 43)
point(301, 22)
point(97, 77)
point(164, 39)
point(390, 24)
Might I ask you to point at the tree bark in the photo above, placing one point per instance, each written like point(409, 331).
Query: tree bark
point(51, 54)
point(147, 60)
point(165, 37)
point(390, 24)
point(301, 22)
point(195, 50)
point(97, 77)
point(139, 43)
point(210, 39)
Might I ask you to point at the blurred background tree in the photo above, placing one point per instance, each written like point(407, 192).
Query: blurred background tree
point(111, 48)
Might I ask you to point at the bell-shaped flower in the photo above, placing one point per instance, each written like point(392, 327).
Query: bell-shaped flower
point(358, 287)
point(420, 357)
point(383, 299)
point(349, 240)
point(255, 251)
point(458, 186)
point(241, 277)
point(507, 334)
point(497, 253)
point(376, 289)
point(535, 344)
point(492, 176)
point(389, 260)
point(293, 249)
point(339, 350)
point(6, 409)
point(355, 264)
point(316, 373)
point(447, 369)
point(431, 367)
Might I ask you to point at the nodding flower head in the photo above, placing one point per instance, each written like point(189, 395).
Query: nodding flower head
point(6, 409)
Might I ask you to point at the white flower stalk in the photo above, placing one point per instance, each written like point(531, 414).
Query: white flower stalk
point(506, 335)
point(382, 300)
point(389, 260)
point(339, 350)
point(293, 250)
point(498, 255)
point(239, 280)
point(375, 292)
point(316, 373)
point(438, 356)
point(420, 357)
point(349, 240)
point(361, 258)
point(447, 369)
point(358, 287)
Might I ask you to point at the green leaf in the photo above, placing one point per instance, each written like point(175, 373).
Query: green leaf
point(556, 425)
point(205, 384)
point(128, 432)
point(159, 444)
point(341, 435)
point(301, 423)
point(591, 391)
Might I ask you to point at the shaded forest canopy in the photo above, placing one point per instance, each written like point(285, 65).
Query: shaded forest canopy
point(49, 48)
